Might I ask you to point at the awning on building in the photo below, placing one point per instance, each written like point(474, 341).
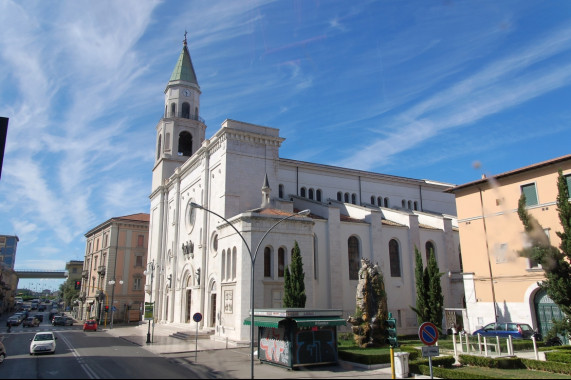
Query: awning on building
point(264, 321)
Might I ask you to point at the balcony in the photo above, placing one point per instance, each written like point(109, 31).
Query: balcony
point(85, 274)
point(184, 115)
point(101, 270)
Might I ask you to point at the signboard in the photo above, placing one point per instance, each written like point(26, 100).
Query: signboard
point(197, 317)
point(113, 308)
point(428, 333)
point(149, 308)
point(429, 351)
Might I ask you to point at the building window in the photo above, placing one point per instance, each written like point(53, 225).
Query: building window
point(386, 202)
point(310, 196)
point(380, 201)
point(346, 197)
point(315, 257)
point(501, 250)
point(410, 205)
point(568, 180)
point(403, 203)
point(394, 258)
point(184, 144)
point(267, 262)
point(223, 271)
point(234, 255)
point(353, 254)
point(302, 192)
point(139, 261)
point(281, 262)
point(373, 200)
point(228, 264)
point(429, 248)
point(530, 194)
point(318, 195)
point(354, 198)
point(281, 191)
point(140, 241)
point(415, 205)
point(339, 196)
point(136, 283)
point(159, 147)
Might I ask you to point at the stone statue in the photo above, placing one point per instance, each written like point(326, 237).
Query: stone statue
point(371, 307)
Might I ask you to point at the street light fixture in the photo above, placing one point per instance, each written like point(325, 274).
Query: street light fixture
point(253, 261)
point(112, 282)
point(151, 272)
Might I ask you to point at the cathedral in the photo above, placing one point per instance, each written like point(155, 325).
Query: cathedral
point(229, 207)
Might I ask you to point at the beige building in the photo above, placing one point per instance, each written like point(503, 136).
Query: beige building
point(115, 259)
point(491, 235)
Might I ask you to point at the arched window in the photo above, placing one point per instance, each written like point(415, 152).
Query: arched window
point(415, 205)
point(167, 141)
point(281, 191)
point(353, 253)
point(394, 258)
point(373, 200)
point(387, 202)
point(196, 113)
point(185, 110)
point(228, 264)
point(267, 262)
point(166, 110)
point(302, 192)
point(403, 203)
point(380, 201)
point(339, 196)
point(346, 197)
point(429, 248)
point(234, 255)
point(173, 109)
point(410, 205)
point(354, 198)
point(281, 262)
point(185, 144)
point(223, 271)
point(310, 193)
point(159, 147)
point(318, 195)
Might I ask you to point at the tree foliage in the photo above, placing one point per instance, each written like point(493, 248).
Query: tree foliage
point(68, 292)
point(294, 286)
point(429, 297)
point(555, 262)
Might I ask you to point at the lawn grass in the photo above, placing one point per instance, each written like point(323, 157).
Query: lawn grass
point(511, 373)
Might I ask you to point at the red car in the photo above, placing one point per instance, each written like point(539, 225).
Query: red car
point(90, 325)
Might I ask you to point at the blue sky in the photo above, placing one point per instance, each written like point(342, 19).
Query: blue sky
point(443, 90)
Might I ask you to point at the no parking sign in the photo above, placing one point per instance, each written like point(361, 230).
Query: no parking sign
point(428, 333)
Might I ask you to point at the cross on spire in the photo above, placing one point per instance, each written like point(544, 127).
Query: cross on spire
point(184, 37)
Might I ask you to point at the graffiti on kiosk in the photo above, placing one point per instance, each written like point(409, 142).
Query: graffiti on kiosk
point(315, 346)
point(274, 347)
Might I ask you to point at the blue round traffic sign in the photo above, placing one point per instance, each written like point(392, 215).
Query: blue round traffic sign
point(197, 317)
point(428, 333)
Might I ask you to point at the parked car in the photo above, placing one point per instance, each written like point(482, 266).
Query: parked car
point(40, 317)
point(13, 321)
point(62, 321)
point(90, 324)
point(2, 353)
point(41, 307)
point(43, 342)
point(31, 322)
point(503, 330)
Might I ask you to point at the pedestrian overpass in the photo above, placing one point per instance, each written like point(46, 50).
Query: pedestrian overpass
point(33, 273)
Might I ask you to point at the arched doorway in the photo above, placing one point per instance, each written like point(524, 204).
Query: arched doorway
point(545, 312)
point(212, 319)
point(188, 303)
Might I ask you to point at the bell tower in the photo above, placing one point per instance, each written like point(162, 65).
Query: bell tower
point(181, 130)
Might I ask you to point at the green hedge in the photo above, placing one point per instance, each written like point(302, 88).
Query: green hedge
point(369, 359)
point(483, 361)
point(548, 366)
point(561, 357)
point(447, 373)
point(439, 361)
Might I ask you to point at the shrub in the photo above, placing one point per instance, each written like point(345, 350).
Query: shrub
point(447, 373)
point(439, 361)
point(561, 357)
point(483, 361)
point(548, 366)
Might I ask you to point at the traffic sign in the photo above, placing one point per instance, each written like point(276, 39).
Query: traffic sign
point(197, 317)
point(428, 333)
point(113, 308)
point(430, 351)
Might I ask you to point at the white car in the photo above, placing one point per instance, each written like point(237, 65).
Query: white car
point(43, 342)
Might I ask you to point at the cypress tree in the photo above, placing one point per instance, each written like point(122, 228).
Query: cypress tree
point(435, 296)
point(421, 277)
point(294, 286)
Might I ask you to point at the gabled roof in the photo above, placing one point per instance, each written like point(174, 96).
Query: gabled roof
point(184, 71)
point(511, 172)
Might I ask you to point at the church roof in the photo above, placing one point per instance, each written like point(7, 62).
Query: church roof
point(184, 71)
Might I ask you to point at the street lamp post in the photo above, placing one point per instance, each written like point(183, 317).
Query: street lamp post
point(253, 261)
point(112, 282)
point(150, 271)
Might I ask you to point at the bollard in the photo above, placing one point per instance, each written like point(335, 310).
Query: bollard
point(461, 344)
point(535, 347)
point(498, 348)
point(467, 344)
point(510, 344)
point(485, 347)
point(479, 344)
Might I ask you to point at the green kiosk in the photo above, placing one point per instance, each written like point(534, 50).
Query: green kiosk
point(297, 337)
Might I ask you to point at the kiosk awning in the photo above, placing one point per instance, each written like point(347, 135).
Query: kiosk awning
point(301, 322)
point(319, 321)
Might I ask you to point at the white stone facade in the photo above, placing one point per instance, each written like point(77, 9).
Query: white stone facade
point(225, 174)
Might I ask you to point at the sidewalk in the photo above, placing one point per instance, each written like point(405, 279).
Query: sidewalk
point(221, 361)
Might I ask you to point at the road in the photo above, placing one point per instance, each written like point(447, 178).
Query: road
point(86, 355)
